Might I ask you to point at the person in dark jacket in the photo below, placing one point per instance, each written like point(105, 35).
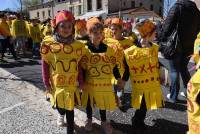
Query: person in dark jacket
point(186, 14)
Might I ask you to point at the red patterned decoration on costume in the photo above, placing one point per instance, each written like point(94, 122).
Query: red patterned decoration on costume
point(68, 49)
point(106, 69)
point(95, 59)
point(55, 48)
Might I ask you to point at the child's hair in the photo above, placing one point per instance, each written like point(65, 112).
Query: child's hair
point(94, 24)
point(146, 28)
point(117, 22)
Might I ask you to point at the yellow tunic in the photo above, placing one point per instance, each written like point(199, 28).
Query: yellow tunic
point(197, 49)
point(19, 28)
point(119, 46)
point(99, 72)
point(144, 74)
point(4, 28)
point(132, 37)
point(107, 33)
point(34, 32)
point(193, 107)
point(63, 62)
point(47, 31)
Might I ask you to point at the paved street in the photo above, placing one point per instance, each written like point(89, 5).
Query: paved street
point(23, 109)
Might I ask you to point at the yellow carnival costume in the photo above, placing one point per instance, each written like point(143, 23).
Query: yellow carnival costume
point(34, 32)
point(107, 33)
point(193, 106)
point(99, 72)
point(144, 74)
point(19, 28)
point(192, 92)
point(63, 63)
point(197, 49)
point(119, 46)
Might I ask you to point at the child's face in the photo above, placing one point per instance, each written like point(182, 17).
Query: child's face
point(83, 31)
point(65, 28)
point(152, 37)
point(96, 36)
point(116, 31)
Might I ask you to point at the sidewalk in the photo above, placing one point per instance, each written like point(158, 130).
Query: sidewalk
point(36, 115)
point(34, 109)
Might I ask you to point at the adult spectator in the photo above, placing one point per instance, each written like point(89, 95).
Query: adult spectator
point(186, 14)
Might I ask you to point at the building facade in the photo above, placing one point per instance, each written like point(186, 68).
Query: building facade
point(89, 8)
point(152, 5)
point(42, 11)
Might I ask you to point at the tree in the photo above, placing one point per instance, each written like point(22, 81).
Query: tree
point(27, 3)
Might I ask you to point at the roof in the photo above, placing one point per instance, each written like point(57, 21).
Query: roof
point(140, 11)
point(91, 14)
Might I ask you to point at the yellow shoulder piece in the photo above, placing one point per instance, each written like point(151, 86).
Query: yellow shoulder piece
point(47, 40)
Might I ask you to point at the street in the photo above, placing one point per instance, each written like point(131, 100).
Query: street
point(24, 110)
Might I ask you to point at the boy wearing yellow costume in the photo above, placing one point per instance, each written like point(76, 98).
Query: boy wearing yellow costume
point(128, 33)
point(193, 94)
point(35, 34)
point(60, 57)
point(144, 74)
point(98, 66)
point(20, 32)
point(120, 44)
point(5, 37)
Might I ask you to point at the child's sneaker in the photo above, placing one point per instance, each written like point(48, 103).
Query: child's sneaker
point(107, 127)
point(60, 120)
point(88, 126)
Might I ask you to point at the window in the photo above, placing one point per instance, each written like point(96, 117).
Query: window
point(59, 0)
point(141, 4)
point(38, 14)
point(71, 9)
point(43, 14)
point(79, 9)
point(79, 1)
point(49, 12)
point(133, 4)
point(99, 4)
point(151, 7)
point(89, 5)
point(124, 3)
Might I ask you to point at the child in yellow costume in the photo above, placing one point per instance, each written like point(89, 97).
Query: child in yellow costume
point(35, 34)
point(128, 33)
point(107, 31)
point(120, 44)
point(144, 74)
point(60, 57)
point(98, 66)
point(193, 94)
point(20, 32)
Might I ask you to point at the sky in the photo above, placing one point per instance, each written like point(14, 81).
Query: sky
point(11, 4)
point(14, 4)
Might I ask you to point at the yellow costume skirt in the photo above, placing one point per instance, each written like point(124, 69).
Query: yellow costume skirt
point(65, 99)
point(86, 95)
point(153, 98)
point(105, 100)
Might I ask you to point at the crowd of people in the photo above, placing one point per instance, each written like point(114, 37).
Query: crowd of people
point(91, 62)
point(21, 36)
